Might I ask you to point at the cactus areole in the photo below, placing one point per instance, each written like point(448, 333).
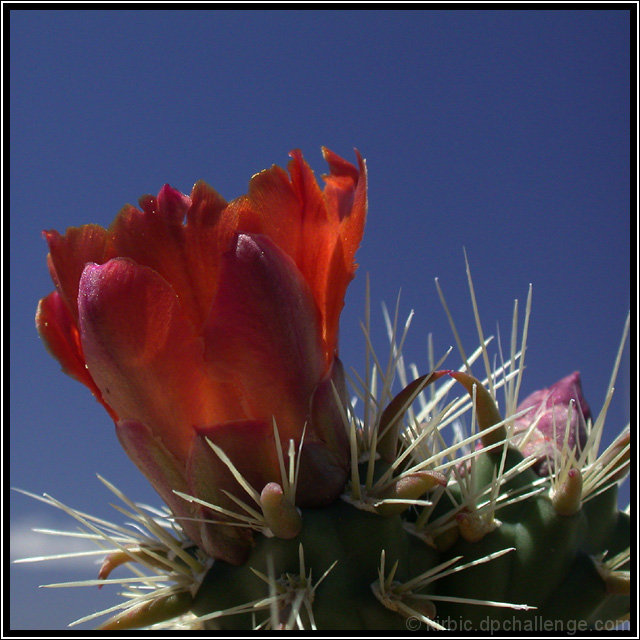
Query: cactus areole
point(209, 332)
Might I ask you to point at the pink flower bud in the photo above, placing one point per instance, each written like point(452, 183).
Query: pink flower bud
point(559, 423)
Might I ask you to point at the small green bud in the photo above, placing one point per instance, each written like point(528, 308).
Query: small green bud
point(567, 496)
point(280, 514)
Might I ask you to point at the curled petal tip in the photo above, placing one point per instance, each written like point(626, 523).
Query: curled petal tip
point(172, 203)
point(112, 561)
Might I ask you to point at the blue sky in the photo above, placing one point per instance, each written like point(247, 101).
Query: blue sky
point(503, 132)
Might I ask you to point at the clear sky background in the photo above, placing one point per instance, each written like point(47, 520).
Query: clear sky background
point(503, 132)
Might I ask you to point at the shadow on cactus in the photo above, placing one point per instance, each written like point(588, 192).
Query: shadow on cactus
point(208, 330)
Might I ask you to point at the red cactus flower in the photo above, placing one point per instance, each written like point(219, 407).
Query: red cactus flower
point(197, 319)
point(557, 426)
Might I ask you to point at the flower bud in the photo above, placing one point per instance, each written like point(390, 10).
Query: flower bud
point(557, 417)
point(197, 321)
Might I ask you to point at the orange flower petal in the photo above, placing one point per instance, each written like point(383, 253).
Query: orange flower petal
point(60, 334)
point(333, 225)
point(270, 208)
point(320, 231)
point(341, 183)
point(346, 196)
point(263, 333)
point(156, 237)
point(68, 255)
point(144, 355)
point(204, 244)
point(352, 225)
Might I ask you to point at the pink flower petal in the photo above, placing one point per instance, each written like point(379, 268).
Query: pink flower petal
point(143, 354)
point(60, 334)
point(263, 333)
point(157, 238)
point(68, 255)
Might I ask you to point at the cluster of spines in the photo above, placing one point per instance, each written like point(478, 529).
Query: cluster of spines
point(398, 455)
